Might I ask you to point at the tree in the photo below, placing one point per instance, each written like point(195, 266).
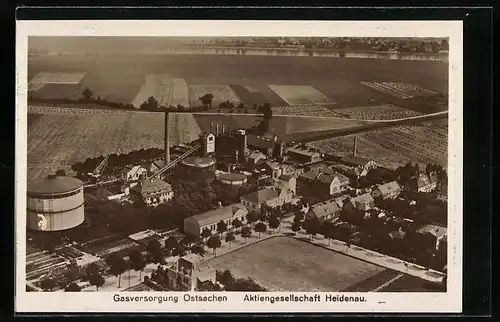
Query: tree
point(252, 217)
point(328, 230)
point(48, 284)
point(230, 238)
point(296, 227)
point(179, 250)
point(92, 269)
point(171, 243)
point(153, 247)
point(236, 223)
point(312, 226)
point(87, 94)
point(226, 278)
point(260, 228)
point(72, 287)
point(214, 243)
point(198, 249)
point(207, 100)
point(299, 216)
point(97, 280)
point(274, 223)
point(60, 173)
point(150, 105)
point(137, 261)
point(221, 227)
point(267, 111)
point(117, 266)
point(246, 232)
point(206, 233)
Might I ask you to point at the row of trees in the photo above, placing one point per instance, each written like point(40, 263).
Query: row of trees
point(409, 172)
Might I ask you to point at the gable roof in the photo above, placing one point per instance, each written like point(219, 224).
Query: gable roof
point(364, 198)
point(151, 186)
point(309, 175)
point(388, 188)
point(353, 159)
point(434, 230)
point(324, 210)
point(218, 214)
point(261, 196)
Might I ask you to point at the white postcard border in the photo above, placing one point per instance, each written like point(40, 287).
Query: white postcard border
point(376, 302)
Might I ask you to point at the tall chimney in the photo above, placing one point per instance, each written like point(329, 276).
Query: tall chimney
point(212, 127)
point(166, 140)
point(355, 145)
point(223, 129)
point(217, 129)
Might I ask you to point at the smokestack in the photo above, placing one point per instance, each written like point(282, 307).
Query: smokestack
point(166, 140)
point(355, 145)
point(223, 129)
point(228, 130)
point(217, 129)
point(212, 127)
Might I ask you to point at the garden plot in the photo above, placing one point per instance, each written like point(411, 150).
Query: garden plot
point(57, 78)
point(180, 93)
point(378, 112)
point(221, 93)
point(400, 90)
point(300, 94)
point(158, 86)
point(309, 110)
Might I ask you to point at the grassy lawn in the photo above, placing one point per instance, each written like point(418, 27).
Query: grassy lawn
point(287, 264)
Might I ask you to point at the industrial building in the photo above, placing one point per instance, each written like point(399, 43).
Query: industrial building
point(196, 166)
point(232, 179)
point(153, 191)
point(55, 203)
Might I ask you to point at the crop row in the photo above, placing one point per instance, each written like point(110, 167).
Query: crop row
point(310, 110)
point(379, 112)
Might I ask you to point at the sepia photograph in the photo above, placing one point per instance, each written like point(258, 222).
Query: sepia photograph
point(197, 167)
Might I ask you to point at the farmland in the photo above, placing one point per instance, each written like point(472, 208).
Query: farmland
point(156, 85)
point(395, 146)
point(221, 93)
point(337, 78)
point(400, 90)
point(378, 112)
point(180, 93)
point(83, 133)
point(312, 110)
point(300, 94)
point(310, 269)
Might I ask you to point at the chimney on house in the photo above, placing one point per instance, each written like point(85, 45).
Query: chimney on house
point(355, 145)
point(166, 141)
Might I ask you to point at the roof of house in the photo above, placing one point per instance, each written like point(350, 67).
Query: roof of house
point(353, 159)
point(435, 230)
point(285, 177)
point(397, 234)
point(256, 154)
point(218, 214)
point(388, 188)
point(261, 196)
point(309, 175)
point(364, 198)
point(152, 185)
point(133, 169)
point(272, 164)
point(260, 142)
point(325, 209)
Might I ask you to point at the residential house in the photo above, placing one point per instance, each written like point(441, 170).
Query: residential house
point(438, 232)
point(358, 162)
point(388, 190)
point(154, 166)
point(304, 155)
point(328, 182)
point(324, 212)
point(195, 225)
point(273, 169)
point(350, 172)
point(153, 191)
point(187, 273)
point(287, 182)
point(424, 183)
point(134, 173)
point(362, 202)
point(272, 197)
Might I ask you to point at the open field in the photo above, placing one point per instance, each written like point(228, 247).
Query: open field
point(309, 109)
point(396, 146)
point(300, 94)
point(336, 78)
point(159, 86)
point(278, 125)
point(221, 93)
point(57, 91)
point(311, 268)
point(57, 78)
point(249, 95)
point(81, 134)
point(180, 92)
point(378, 112)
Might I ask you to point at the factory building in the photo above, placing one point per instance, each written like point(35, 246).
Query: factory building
point(196, 166)
point(55, 203)
point(232, 179)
